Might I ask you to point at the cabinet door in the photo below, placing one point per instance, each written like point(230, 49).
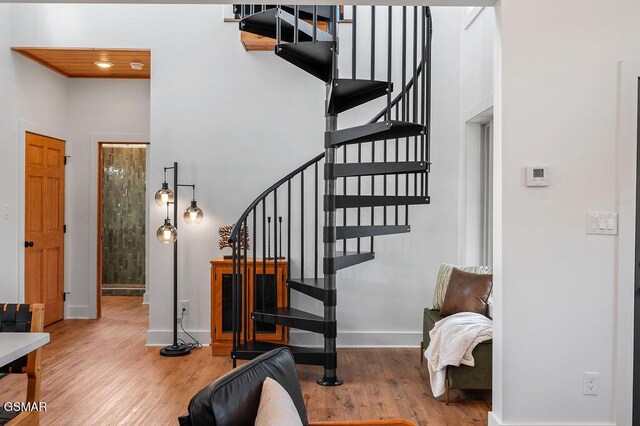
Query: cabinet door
point(223, 307)
point(268, 293)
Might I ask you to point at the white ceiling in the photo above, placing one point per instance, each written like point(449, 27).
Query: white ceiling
point(361, 2)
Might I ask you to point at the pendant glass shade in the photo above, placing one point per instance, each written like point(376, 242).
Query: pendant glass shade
point(164, 195)
point(167, 233)
point(193, 215)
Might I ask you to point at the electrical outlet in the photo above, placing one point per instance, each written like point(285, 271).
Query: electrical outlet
point(591, 383)
point(184, 307)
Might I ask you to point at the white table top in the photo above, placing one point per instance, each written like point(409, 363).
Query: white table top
point(16, 345)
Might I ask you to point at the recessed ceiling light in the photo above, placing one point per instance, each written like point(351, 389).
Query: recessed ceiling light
point(104, 64)
point(137, 66)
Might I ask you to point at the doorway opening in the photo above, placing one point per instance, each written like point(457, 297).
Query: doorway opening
point(478, 192)
point(122, 174)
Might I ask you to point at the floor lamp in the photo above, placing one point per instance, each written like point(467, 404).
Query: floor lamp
point(168, 234)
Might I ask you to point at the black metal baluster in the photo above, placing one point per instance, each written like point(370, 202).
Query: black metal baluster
point(264, 250)
point(255, 249)
point(397, 158)
point(359, 189)
point(389, 50)
point(353, 43)
point(384, 182)
point(315, 245)
point(278, 27)
point(415, 93)
point(373, 42)
point(405, 100)
point(245, 279)
point(315, 23)
point(423, 49)
point(234, 300)
point(289, 237)
point(242, 11)
point(275, 236)
point(373, 187)
point(344, 192)
point(302, 224)
point(296, 10)
point(428, 115)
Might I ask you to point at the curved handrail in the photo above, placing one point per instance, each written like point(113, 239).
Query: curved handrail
point(265, 193)
point(239, 223)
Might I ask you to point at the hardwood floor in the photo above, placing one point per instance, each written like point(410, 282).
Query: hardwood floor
point(99, 372)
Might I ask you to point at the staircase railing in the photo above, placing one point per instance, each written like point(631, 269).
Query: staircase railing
point(301, 189)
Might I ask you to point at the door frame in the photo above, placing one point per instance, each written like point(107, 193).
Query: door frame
point(95, 216)
point(628, 137)
point(25, 127)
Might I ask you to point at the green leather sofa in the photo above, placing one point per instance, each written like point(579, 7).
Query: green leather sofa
point(462, 377)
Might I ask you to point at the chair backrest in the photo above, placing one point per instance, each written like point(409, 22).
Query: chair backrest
point(20, 318)
point(233, 399)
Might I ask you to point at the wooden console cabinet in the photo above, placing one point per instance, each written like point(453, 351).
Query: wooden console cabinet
point(268, 290)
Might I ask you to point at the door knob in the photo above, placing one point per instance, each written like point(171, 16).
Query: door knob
point(28, 243)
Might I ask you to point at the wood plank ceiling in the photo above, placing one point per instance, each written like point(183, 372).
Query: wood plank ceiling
point(81, 63)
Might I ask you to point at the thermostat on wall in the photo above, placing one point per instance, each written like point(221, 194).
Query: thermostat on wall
point(537, 176)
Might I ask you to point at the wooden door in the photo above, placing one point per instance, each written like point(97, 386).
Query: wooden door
point(222, 307)
point(44, 225)
point(268, 292)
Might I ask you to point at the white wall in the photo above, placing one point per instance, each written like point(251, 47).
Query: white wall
point(99, 110)
point(559, 68)
point(36, 101)
point(212, 103)
point(476, 94)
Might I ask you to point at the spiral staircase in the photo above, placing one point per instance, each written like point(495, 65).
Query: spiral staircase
point(372, 173)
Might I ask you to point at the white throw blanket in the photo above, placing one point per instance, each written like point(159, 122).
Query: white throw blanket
point(452, 341)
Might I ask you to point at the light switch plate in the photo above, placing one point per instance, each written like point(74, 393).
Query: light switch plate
point(599, 223)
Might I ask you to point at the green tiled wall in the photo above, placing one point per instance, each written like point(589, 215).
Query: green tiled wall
point(123, 215)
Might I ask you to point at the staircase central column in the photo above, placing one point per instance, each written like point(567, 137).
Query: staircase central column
point(331, 124)
point(330, 376)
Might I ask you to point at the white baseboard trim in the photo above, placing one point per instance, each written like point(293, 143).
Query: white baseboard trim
point(361, 339)
point(165, 337)
point(145, 298)
point(495, 421)
point(78, 312)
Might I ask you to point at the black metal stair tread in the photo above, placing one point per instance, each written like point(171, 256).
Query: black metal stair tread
point(345, 259)
point(301, 355)
point(295, 318)
point(346, 232)
point(349, 93)
point(290, 313)
point(374, 132)
point(312, 282)
point(313, 287)
point(378, 168)
point(314, 58)
point(352, 201)
point(264, 24)
point(306, 11)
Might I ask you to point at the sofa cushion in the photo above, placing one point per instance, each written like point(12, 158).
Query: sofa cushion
point(467, 292)
point(444, 274)
point(276, 407)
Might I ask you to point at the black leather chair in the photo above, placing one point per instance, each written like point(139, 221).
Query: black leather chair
point(22, 318)
point(233, 399)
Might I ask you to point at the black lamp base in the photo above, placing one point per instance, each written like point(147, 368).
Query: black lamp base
point(175, 350)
